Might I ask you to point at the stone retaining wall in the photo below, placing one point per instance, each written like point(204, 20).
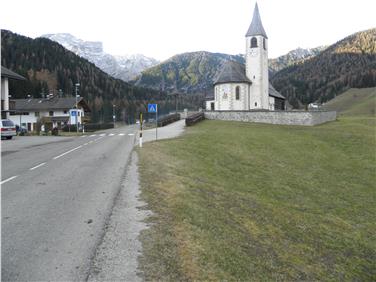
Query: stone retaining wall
point(309, 118)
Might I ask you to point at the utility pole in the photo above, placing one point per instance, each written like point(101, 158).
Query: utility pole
point(113, 114)
point(77, 85)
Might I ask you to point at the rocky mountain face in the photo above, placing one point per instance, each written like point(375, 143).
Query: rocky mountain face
point(349, 63)
point(295, 56)
point(122, 67)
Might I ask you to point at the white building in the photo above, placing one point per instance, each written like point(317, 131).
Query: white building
point(242, 88)
point(51, 112)
point(6, 74)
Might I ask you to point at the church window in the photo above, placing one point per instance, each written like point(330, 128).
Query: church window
point(237, 93)
point(253, 42)
point(255, 104)
point(264, 43)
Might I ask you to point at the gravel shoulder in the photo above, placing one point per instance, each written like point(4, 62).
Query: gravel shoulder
point(117, 256)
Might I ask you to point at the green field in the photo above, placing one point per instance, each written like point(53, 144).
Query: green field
point(354, 102)
point(241, 201)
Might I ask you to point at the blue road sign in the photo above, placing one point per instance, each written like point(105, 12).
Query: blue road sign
point(152, 108)
point(73, 113)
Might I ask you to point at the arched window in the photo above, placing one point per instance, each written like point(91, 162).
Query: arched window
point(264, 43)
point(237, 93)
point(253, 42)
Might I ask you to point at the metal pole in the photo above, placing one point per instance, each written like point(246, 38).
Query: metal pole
point(113, 114)
point(77, 84)
point(176, 103)
point(140, 130)
point(156, 122)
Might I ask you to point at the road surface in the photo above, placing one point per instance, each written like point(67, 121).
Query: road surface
point(57, 194)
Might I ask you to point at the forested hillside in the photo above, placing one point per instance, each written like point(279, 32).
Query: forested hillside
point(187, 73)
point(350, 63)
point(49, 67)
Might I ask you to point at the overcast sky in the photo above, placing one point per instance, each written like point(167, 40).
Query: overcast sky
point(163, 28)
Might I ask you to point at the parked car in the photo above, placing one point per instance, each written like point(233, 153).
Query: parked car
point(8, 129)
point(21, 130)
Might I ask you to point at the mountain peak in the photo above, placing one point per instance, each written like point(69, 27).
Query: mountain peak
point(123, 67)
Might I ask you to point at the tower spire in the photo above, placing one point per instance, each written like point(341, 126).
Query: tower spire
point(256, 27)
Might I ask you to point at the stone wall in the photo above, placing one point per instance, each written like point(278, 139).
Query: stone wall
point(309, 118)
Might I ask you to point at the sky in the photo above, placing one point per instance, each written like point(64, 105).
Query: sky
point(163, 28)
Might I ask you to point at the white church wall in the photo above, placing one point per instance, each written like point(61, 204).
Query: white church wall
point(225, 97)
point(208, 105)
point(240, 104)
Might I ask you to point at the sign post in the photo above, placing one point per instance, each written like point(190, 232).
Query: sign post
point(153, 108)
point(140, 130)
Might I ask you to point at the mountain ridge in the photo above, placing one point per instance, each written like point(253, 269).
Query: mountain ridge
point(48, 67)
point(348, 63)
point(124, 67)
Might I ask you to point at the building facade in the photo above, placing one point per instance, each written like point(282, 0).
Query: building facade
point(244, 88)
point(51, 112)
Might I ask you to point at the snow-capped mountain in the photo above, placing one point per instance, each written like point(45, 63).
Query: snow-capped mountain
point(123, 67)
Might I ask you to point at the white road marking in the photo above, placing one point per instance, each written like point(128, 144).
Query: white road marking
point(93, 135)
point(121, 134)
point(42, 164)
point(111, 134)
point(98, 138)
point(83, 136)
point(9, 179)
point(63, 154)
point(91, 141)
point(130, 134)
point(86, 144)
point(103, 134)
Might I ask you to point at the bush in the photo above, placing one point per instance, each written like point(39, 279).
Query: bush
point(55, 131)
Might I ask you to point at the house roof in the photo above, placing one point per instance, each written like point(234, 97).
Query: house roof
point(49, 104)
point(10, 74)
point(275, 93)
point(232, 72)
point(256, 27)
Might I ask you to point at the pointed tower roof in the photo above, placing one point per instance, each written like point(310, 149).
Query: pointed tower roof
point(256, 27)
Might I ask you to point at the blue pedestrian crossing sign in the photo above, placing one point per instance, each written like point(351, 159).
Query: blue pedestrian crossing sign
point(152, 108)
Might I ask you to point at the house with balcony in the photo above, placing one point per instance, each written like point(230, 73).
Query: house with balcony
point(6, 75)
point(51, 112)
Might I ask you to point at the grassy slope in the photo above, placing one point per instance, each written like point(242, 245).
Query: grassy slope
point(240, 201)
point(354, 102)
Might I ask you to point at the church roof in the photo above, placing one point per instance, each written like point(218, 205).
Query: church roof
point(256, 27)
point(232, 72)
point(275, 93)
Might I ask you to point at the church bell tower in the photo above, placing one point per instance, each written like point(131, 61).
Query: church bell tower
point(256, 56)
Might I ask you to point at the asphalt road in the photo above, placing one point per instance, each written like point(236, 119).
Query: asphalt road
point(57, 194)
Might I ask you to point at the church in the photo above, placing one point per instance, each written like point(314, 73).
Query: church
point(244, 88)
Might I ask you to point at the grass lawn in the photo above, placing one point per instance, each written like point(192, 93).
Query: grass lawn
point(354, 102)
point(240, 201)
